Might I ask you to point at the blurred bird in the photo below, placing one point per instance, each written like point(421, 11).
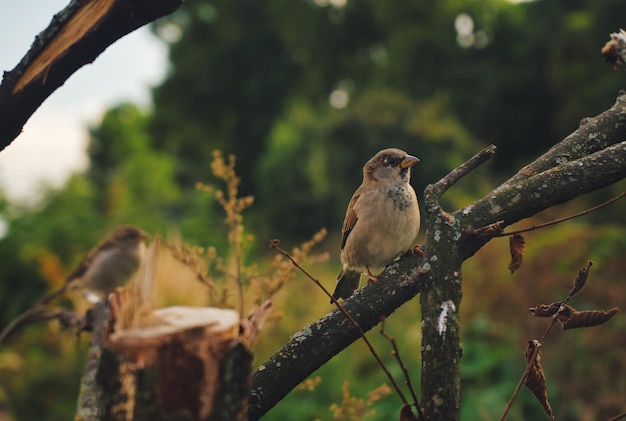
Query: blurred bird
point(108, 266)
point(382, 219)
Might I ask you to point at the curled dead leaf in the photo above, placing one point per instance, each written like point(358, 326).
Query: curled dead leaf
point(581, 280)
point(516, 246)
point(545, 310)
point(573, 319)
point(613, 50)
point(535, 381)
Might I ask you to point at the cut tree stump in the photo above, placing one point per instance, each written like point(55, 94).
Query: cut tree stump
point(188, 363)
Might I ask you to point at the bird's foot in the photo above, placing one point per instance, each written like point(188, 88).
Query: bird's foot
point(371, 278)
point(417, 249)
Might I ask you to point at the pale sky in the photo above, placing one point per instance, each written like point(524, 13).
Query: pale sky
point(53, 142)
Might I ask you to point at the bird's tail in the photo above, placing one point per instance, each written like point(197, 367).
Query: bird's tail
point(347, 283)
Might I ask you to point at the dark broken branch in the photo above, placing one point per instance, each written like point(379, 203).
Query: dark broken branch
point(76, 36)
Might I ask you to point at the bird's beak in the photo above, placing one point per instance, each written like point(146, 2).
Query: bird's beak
point(409, 161)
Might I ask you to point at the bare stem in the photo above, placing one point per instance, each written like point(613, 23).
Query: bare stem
point(618, 417)
point(405, 371)
point(559, 220)
point(275, 244)
point(238, 277)
point(37, 314)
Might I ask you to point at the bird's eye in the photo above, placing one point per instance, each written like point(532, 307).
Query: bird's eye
point(389, 160)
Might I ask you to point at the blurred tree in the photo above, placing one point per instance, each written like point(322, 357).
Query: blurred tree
point(312, 160)
point(517, 75)
point(56, 233)
point(132, 179)
point(139, 183)
point(229, 74)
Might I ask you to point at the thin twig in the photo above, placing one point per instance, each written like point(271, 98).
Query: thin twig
point(493, 234)
point(239, 281)
point(275, 244)
point(29, 315)
point(618, 417)
point(21, 320)
point(37, 314)
point(405, 371)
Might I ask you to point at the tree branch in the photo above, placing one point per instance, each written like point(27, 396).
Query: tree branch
point(318, 342)
point(513, 202)
point(592, 157)
point(435, 191)
point(75, 37)
point(593, 135)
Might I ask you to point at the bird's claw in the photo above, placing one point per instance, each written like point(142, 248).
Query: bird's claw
point(417, 249)
point(371, 278)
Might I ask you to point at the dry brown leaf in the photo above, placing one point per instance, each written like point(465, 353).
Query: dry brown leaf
point(564, 314)
point(516, 246)
point(406, 413)
point(580, 280)
point(588, 318)
point(613, 50)
point(535, 380)
point(545, 310)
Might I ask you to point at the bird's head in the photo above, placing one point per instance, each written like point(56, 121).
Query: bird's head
point(389, 165)
point(128, 235)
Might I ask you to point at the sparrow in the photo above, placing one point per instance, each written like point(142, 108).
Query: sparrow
point(382, 219)
point(109, 265)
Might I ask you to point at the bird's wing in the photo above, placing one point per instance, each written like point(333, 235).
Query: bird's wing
point(79, 270)
point(350, 221)
point(86, 262)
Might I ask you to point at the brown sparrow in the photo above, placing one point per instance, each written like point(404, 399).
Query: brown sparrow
point(382, 219)
point(110, 265)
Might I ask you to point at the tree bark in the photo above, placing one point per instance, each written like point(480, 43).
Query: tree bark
point(75, 37)
point(592, 157)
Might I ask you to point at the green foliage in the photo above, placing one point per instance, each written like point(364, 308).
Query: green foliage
point(295, 167)
point(311, 158)
point(39, 378)
point(530, 73)
point(134, 180)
